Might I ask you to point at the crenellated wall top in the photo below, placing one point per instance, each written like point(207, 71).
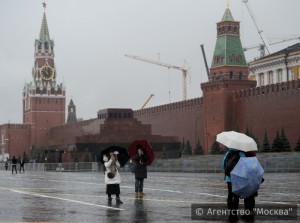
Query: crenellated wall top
point(191, 103)
point(268, 89)
point(15, 126)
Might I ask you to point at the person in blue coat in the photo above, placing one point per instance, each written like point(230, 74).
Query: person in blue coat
point(230, 159)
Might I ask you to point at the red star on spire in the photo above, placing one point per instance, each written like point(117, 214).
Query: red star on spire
point(44, 5)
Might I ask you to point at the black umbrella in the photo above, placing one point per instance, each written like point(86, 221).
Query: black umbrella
point(122, 155)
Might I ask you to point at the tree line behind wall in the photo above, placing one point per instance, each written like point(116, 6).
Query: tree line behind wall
point(280, 143)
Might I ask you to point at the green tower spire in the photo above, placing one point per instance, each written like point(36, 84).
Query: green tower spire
point(228, 59)
point(44, 32)
point(227, 16)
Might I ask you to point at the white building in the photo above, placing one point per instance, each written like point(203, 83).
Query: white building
point(278, 67)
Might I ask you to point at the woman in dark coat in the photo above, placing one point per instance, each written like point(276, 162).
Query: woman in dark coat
point(14, 162)
point(140, 171)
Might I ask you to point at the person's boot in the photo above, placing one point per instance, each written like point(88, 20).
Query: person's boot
point(118, 201)
point(109, 200)
point(249, 217)
point(140, 194)
point(136, 194)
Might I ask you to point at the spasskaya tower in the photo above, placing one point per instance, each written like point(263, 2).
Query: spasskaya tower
point(43, 98)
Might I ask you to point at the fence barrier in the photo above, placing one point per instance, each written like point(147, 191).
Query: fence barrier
point(202, 164)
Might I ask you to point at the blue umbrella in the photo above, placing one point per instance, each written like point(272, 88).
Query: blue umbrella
point(246, 176)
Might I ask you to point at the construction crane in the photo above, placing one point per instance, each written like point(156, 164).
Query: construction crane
point(260, 31)
point(183, 69)
point(205, 62)
point(146, 102)
point(261, 47)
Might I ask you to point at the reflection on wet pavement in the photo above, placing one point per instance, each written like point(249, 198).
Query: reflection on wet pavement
point(80, 197)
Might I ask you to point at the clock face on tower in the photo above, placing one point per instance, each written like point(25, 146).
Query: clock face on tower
point(47, 73)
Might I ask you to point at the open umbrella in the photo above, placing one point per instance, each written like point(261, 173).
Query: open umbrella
point(236, 140)
point(132, 150)
point(121, 152)
point(246, 176)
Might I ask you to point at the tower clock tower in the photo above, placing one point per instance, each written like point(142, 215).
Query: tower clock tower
point(43, 98)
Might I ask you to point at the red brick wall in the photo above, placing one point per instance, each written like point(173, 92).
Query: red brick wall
point(18, 136)
point(45, 112)
point(226, 107)
point(269, 109)
point(218, 107)
point(183, 119)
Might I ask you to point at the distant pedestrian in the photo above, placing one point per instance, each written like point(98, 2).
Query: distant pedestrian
point(6, 165)
point(140, 171)
point(112, 177)
point(22, 162)
point(14, 162)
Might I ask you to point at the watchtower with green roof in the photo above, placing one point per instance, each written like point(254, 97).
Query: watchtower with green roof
point(228, 61)
point(228, 73)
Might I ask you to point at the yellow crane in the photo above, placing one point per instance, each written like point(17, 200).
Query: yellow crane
point(184, 70)
point(146, 102)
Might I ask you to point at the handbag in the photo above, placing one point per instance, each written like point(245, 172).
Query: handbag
point(110, 175)
point(133, 168)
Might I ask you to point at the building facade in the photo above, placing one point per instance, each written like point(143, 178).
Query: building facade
point(278, 67)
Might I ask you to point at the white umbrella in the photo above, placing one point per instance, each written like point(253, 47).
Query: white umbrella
point(236, 140)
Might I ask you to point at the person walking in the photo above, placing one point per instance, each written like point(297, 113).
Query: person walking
point(6, 165)
point(22, 162)
point(140, 171)
point(14, 162)
point(112, 177)
point(230, 159)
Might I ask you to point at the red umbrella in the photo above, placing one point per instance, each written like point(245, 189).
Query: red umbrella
point(132, 150)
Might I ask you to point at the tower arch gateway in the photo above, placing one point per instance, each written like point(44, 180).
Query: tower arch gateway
point(43, 98)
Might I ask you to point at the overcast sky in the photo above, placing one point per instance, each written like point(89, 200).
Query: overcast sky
point(92, 36)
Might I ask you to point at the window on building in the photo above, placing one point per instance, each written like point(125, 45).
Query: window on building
point(291, 74)
point(240, 76)
point(270, 77)
point(231, 75)
point(279, 76)
point(261, 78)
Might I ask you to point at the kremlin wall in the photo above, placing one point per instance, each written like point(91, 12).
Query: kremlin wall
point(261, 109)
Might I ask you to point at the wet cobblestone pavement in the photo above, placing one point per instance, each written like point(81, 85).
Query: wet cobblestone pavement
point(80, 197)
